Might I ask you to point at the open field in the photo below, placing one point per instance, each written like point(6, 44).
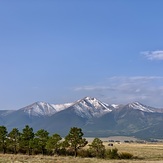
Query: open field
point(115, 138)
point(146, 153)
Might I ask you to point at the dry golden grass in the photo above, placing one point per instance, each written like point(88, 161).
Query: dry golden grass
point(57, 159)
point(144, 151)
point(147, 153)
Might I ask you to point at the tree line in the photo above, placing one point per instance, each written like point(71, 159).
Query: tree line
point(28, 142)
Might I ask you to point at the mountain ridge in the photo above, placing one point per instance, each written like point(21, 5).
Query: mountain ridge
point(96, 118)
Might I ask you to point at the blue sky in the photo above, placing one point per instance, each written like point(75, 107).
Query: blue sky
point(61, 51)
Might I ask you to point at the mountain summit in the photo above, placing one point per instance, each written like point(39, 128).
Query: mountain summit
point(39, 109)
point(144, 108)
point(89, 107)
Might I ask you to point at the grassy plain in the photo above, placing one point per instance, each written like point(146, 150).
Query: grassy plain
point(146, 153)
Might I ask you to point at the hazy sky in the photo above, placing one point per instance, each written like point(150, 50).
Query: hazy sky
point(63, 50)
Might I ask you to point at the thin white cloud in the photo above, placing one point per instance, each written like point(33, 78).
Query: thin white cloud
point(121, 89)
point(154, 55)
point(92, 88)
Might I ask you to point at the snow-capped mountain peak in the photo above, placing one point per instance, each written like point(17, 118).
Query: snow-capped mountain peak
point(139, 106)
point(89, 107)
point(39, 109)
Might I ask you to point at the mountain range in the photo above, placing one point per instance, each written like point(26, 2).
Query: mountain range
point(96, 118)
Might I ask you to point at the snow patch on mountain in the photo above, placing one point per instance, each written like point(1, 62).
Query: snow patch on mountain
point(115, 106)
point(60, 107)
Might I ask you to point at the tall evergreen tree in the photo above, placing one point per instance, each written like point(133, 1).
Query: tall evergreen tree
point(3, 138)
point(41, 137)
point(74, 139)
point(53, 143)
point(25, 138)
point(13, 140)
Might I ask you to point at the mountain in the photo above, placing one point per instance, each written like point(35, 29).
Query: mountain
point(135, 117)
point(39, 109)
point(90, 107)
point(79, 114)
point(96, 118)
point(144, 108)
point(44, 109)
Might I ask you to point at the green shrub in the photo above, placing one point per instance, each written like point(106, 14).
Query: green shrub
point(97, 149)
point(112, 153)
point(125, 155)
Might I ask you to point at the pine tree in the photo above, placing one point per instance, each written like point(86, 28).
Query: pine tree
point(25, 138)
point(74, 139)
point(13, 140)
point(3, 138)
point(41, 137)
point(54, 143)
point(97, 148)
